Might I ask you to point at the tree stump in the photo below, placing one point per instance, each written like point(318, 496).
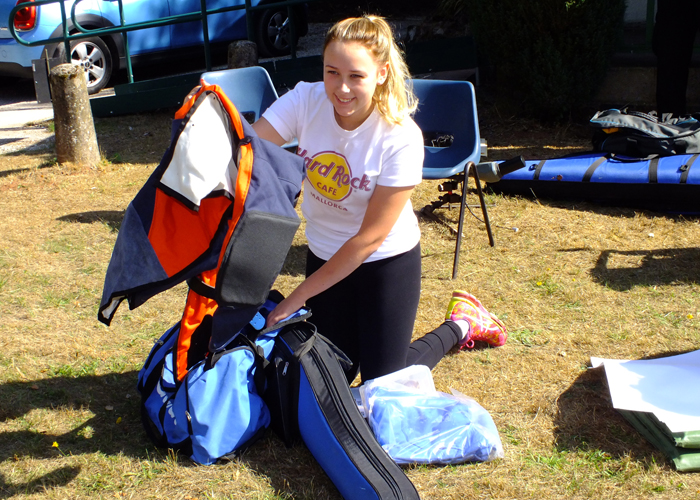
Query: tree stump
point(76, 140)
point(242, 54)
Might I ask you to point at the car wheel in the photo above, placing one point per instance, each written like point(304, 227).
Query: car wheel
point(93, 55)
point(274, 32)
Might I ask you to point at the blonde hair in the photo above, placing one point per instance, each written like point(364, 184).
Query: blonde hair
point(394, 98)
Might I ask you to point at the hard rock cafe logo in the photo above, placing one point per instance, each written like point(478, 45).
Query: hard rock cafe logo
point(330, 175)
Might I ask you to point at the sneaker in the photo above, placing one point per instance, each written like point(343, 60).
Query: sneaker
point(484, 326)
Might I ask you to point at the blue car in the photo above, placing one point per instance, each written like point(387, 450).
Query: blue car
point(102, 57)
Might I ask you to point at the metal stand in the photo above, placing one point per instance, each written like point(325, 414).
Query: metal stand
point(469, 170)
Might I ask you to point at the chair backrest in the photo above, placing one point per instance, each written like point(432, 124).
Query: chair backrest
point(448, 108)
point(250, 89)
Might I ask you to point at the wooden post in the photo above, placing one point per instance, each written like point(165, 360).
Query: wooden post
point(242, 54)
point(76, 140)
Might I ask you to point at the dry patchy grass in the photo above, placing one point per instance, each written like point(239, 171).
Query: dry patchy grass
point(574, 281)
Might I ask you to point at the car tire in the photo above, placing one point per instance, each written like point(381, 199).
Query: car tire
point(273, 32)
point(93, 55)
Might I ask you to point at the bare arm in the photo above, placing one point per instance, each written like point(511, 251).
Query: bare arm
point(383, 211)
point(266, 131)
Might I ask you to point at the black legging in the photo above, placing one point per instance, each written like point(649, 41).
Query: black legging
point(370, 316)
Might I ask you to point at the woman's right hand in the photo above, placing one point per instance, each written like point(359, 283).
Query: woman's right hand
point(284, 309)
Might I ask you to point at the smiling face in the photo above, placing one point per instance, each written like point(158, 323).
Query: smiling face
point(350, 76)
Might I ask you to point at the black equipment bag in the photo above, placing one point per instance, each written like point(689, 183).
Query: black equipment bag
point(641, 135)
point(309, 399)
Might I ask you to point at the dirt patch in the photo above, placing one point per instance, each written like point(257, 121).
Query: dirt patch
point(30, 139)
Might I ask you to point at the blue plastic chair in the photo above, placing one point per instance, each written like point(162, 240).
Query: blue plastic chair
point(249, 89)
point(447, 109)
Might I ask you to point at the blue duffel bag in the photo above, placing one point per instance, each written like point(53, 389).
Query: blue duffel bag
point(217, 410)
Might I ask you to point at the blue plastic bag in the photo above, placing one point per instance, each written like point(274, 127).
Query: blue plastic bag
point(414, 423)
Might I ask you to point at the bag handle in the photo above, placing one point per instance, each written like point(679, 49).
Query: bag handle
point(306, 346)
point(260, 360)
point(309, 332)
point(343, 359)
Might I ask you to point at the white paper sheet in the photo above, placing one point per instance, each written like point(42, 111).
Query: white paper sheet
point(667, 387)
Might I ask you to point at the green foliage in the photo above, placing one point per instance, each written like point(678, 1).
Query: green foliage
point(525, 337)
point(75, 370)
point(549, 55)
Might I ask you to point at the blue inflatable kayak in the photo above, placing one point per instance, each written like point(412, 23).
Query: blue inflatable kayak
point(668, 183)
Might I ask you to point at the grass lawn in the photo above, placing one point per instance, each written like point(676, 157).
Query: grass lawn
point(574, 281)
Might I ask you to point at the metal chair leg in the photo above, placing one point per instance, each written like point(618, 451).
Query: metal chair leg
point(470, 169)
point(484, 212)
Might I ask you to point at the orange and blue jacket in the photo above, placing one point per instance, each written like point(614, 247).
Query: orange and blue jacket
point(218, 212)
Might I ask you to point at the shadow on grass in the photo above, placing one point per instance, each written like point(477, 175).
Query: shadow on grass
point(53, 479)
point(587, 421)
point(115, 427)
point(293, 472)
point(113, 218)
point(7, 173)
point(647, 267)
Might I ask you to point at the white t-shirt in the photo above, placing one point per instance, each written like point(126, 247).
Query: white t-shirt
point(344, 166)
